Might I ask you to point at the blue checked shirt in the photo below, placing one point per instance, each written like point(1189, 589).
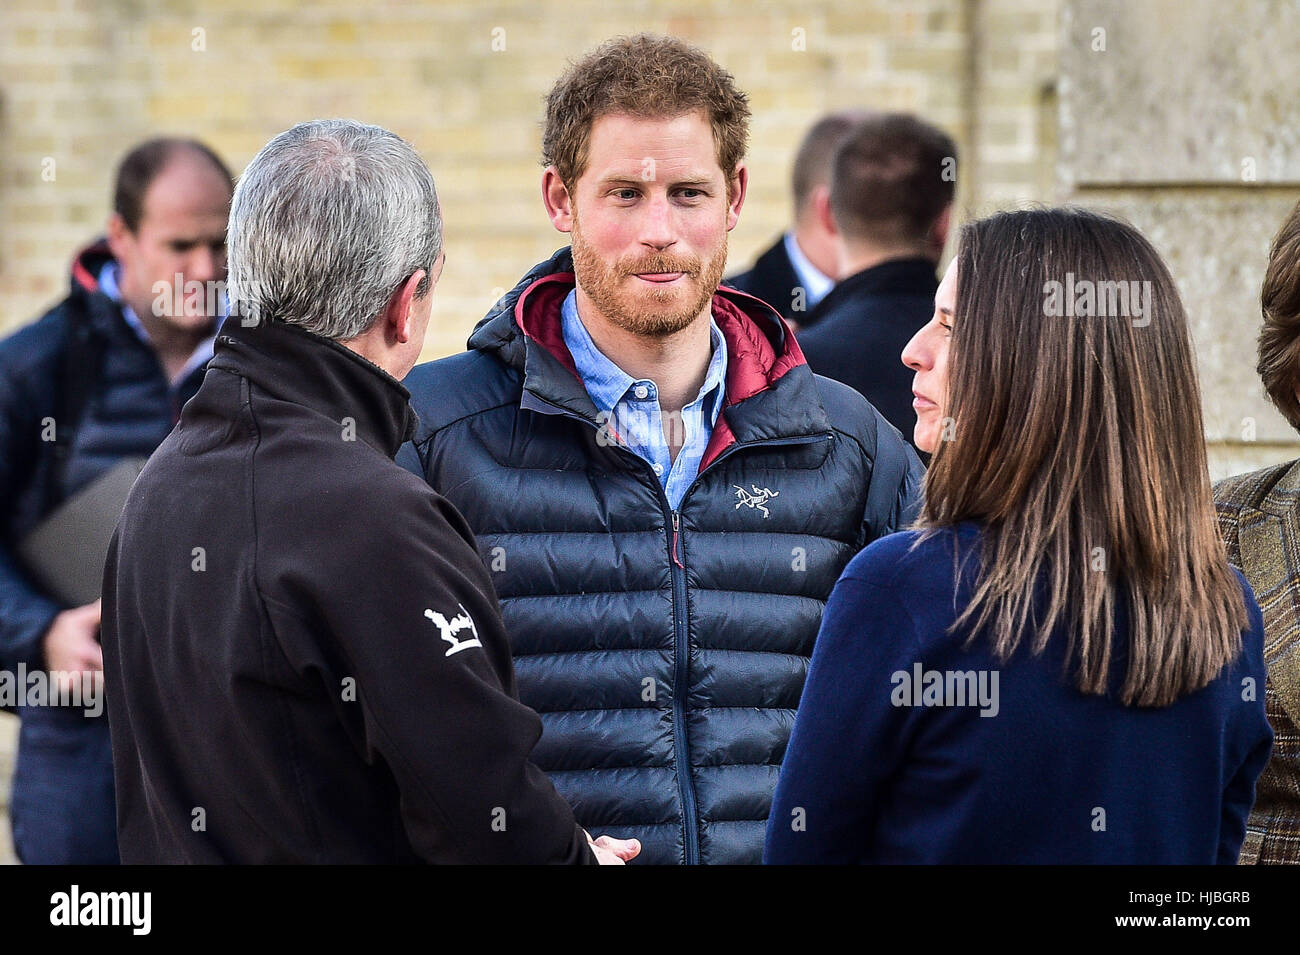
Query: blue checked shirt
point(631, 406)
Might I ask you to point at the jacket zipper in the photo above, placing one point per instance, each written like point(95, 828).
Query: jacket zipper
point(681, 642)
point(765, 442)
point(681, 678)
point(681, 658)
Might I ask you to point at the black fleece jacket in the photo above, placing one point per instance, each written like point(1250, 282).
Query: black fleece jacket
point(304, 656)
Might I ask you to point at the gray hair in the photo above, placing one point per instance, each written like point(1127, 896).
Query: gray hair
point(326, 223)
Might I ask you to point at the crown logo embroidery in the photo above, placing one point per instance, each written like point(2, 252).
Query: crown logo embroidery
point(455, 625)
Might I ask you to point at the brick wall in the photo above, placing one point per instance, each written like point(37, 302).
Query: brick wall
point(81, 80)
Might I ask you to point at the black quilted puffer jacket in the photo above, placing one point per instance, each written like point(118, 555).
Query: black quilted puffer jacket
point(665, 650)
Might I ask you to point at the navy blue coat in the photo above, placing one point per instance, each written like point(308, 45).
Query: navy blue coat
point(916, 745)
point(665, 651)
point(774, 280)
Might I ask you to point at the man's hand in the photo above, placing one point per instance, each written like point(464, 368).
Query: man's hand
point(611, 851)
point(70, 645)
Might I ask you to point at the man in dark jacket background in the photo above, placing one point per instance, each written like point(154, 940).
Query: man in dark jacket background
point(99, 378)
point(663, 492)
point(800, 267)
point(305, 659)
point(892, 185)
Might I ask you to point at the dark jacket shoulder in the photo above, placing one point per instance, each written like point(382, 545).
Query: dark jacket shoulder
point(449, 389)
point(897, 475)
point(771, 279)
point(31, 354)
point(30, 357)
point(916, 564)
point(853, 415)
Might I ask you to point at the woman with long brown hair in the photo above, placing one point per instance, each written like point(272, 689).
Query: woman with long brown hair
point(1058, 664)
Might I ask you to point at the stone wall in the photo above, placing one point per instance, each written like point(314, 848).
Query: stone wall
point(81, 81)
point(1179, 116)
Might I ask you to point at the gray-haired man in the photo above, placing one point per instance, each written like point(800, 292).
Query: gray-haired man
point(305, 657)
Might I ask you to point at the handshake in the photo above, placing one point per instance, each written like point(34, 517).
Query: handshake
point(611, 851)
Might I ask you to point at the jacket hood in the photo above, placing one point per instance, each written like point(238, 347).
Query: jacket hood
point(524, 331)
point(87, 263)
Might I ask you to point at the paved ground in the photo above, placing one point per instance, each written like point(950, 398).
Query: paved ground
point(8, 745)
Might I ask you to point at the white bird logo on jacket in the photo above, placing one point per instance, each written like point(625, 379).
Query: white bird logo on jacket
point(454, 626)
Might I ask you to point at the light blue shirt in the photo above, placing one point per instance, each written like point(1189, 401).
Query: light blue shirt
point(815, 282)
point(629, 407)
point(108, 284)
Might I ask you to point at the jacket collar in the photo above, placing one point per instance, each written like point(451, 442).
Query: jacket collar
point(297, 366)
point(775, 270)
point(909, 276)
point(770, 392)
point(1283, 498)
point(87, 265)
point(105, 315)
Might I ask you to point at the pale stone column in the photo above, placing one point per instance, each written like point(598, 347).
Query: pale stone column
point(1181, 118)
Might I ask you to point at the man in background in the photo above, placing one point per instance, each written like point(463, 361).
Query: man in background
point(892, 186)
point(801, 267)
point(99, 379)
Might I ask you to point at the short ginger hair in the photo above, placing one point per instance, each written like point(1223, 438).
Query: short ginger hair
point(647, 76)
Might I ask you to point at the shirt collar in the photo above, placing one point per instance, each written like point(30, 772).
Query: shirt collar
point(607, 384)
point(714, 389)
point(816, 283)
point(108, 284)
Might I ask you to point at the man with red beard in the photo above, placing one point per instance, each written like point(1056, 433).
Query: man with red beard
point(662, 490)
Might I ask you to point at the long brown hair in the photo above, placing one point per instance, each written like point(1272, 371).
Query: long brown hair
point(1076, 439)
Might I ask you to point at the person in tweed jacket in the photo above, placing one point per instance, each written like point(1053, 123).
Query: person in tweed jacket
point(1259, 517)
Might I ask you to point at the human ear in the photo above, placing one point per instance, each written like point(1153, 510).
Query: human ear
point(398, 313)
point(558, 200)
point(736, 189)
